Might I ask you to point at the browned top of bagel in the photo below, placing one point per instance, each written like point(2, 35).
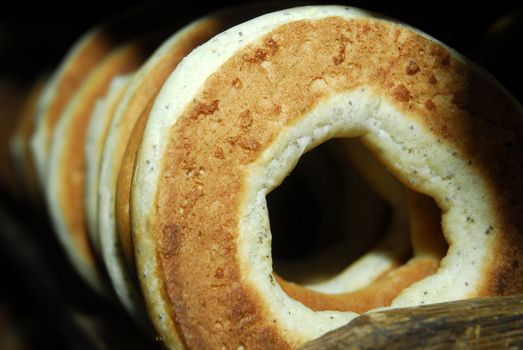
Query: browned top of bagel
point(235, 116)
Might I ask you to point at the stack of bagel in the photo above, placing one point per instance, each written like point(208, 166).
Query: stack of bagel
point(154, 147)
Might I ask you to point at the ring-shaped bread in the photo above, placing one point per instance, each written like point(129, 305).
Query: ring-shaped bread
point(233, 120)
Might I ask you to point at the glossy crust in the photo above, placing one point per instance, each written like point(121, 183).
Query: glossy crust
point(213, 148)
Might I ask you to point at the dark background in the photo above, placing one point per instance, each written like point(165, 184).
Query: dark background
point(38, 290)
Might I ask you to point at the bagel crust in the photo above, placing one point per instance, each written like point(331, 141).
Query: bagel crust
point(295, 79)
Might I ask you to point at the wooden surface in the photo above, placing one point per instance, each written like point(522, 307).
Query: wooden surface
point(487, 323)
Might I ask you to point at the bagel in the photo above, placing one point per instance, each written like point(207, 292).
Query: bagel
point(235, 116)
point(380, 261)
point(61, 87)
point(99, 123)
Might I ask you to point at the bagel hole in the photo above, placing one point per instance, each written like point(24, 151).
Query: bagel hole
point(325, 216)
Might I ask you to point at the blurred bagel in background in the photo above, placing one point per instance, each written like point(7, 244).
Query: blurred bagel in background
point(117, 47)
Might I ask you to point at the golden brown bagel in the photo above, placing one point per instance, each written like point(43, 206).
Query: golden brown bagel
point(232, 121)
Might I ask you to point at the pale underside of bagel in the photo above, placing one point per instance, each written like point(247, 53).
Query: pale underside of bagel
point(66, 182)
point(99, 122)
point(275, 87)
